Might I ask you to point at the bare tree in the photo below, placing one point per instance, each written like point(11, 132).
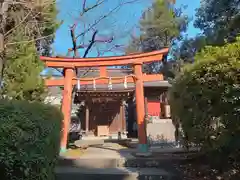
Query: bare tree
point(88, 37)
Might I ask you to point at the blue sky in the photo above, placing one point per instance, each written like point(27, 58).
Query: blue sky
point(190, 11)
point(120, 24)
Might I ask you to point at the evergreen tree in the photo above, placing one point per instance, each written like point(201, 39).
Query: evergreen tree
point(161, 26)
point(22, 79)
point(28, 31)
point(219, 20)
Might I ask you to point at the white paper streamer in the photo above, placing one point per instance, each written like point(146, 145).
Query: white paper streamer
point(125, 82)
point(110, 84)
point(78, 85)
point(94, 84)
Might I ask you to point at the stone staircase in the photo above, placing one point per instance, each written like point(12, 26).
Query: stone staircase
point(113, 174)
point(109, 163)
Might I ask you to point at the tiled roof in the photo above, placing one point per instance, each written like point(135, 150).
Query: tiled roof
point(94, 72)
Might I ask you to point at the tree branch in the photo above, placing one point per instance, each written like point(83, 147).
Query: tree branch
point(94, 38)
point(91, 44)
point(86, 9)
point(103, 17)
point(20, 23)
point(74, 40)
point(78, 47)
point(29, 41)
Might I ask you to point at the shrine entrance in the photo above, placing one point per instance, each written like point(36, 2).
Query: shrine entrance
point(102, 113)
point(87, 91)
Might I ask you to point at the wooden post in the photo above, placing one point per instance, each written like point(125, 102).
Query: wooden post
point(146, 105)
point(87, 118)
point(103, 71)
point(66, 107)
point(119, 124)
point(123, 116)
point(120, 118)
point(142, 137)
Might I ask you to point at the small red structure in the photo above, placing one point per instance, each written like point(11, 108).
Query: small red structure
point(93, 88)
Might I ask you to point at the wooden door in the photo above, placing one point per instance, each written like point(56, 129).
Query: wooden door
point(105, 114)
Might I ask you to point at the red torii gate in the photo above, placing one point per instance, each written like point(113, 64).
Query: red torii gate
point(70, 64)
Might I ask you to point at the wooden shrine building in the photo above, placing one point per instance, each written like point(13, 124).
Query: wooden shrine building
point(103, 93)
point(109, 109)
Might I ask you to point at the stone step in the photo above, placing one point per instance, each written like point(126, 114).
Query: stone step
point(98, 141)
point(71, 173)
point(118, 162)
point(90, 163)
point(86, 142)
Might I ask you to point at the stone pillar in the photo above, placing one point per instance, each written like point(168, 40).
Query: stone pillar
point(142, 137)
point(66, 107)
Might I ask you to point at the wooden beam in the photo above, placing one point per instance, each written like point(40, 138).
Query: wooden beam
point(146, 105)
point(109, 58)
point(123, 116)
point(84, 81)
point(104, 61)
point(87, 117)
point(103, 71)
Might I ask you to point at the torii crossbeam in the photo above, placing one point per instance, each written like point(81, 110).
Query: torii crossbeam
point(70, 64)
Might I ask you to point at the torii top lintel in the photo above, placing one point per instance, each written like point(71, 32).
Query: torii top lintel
point(60, 62)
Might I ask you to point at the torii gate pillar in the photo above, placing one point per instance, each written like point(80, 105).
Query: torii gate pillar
point(142, 135)
point(66, 107)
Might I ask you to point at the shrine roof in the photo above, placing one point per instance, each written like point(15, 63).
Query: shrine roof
point(111, 72)
point(95, 72)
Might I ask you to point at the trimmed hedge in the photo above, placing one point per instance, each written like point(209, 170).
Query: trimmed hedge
point(205, 98)
point(29, 143)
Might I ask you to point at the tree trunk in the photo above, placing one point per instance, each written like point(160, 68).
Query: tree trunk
point(4, 4)
point(2, 62)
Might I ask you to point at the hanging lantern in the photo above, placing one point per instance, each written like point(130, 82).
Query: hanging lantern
point(125, 82)
point(78, 85)
point(110, 84)
point(94, 84)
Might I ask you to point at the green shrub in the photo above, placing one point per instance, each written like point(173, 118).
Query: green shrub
point(205, 97)
point(29, 143)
